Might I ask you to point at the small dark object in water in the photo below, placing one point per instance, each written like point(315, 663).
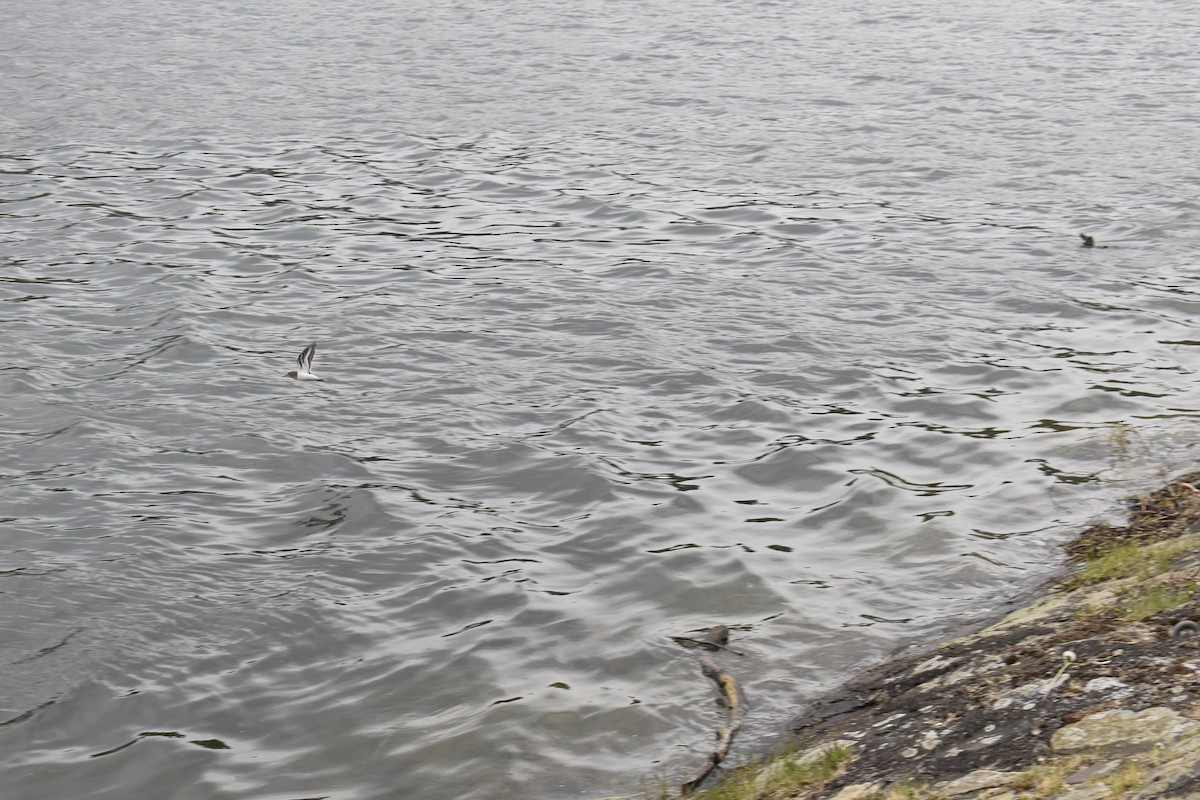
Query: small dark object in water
point(703, 644)
point(1087, 240)
point(1185, 625)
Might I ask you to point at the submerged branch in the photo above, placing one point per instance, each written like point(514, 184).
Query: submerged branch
point(731, 697)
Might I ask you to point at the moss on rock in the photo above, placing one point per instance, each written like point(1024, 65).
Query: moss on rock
point(1006, 714)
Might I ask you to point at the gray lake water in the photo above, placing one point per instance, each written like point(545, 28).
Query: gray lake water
point(637, 317)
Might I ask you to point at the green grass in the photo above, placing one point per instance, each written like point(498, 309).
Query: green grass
point(779, 777)
point(1127, 779)
point(1048, 778)
point(1146, 602)
point(1141, 600)
point(1129, 560)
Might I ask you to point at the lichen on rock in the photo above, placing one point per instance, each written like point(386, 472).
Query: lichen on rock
point(1004, 714)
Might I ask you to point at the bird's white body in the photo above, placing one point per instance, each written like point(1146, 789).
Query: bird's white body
point(303, 370)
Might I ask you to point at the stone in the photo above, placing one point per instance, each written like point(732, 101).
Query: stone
point(974, 782)
point(937, 662)
point(884, 722)
point(1034, 690)
point(1085, 793)
point(856, 791)
point(1093, 772)
point(1116, 687)
point(1121, 732)
point(971, 671)
point(1169, 778)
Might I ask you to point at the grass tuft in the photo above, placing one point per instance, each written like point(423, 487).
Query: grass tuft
point(1047, 779)
point(1128, 560)
point(783, 775)
point(1128, 778)
point(1149, 601)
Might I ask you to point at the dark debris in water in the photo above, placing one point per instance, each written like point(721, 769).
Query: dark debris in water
point(211, 744)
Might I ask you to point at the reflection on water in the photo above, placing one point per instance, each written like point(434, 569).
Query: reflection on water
point(632, 323)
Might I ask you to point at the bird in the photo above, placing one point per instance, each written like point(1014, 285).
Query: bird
point(303, 370)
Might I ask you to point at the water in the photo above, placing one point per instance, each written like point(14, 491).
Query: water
point(635, 320)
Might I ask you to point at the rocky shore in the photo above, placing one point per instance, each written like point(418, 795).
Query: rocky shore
point(1091, 691)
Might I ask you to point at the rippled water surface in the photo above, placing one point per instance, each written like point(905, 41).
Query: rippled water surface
point(636, 318)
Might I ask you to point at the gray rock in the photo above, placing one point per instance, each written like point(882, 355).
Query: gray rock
point(1085, 793)
point(975, 781)
point(1093, 772)
point(1110, 686)
point(1121, 732)
point(857, 791)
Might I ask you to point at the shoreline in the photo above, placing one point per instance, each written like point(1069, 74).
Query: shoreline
point(1085, 691)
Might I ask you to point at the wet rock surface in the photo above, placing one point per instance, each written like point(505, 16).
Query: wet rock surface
point(1083, 693)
